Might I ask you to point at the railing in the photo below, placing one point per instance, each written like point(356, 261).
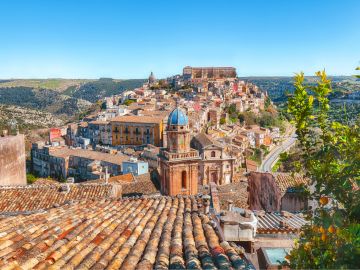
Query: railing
point(172, 156)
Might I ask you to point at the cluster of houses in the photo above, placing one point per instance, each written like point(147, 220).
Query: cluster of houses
point(134, 125)
point(172, 138)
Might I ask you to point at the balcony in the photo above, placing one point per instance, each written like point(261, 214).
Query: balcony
point(176, 156)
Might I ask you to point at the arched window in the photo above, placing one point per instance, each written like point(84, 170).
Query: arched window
point(212, 153)
point(183, 179)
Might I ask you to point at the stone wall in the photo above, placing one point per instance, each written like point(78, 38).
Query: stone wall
point(293, 202)
point(264, 194)
point(12, 160)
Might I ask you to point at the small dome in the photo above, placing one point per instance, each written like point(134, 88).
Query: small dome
point(178, 117)
point(152, 78)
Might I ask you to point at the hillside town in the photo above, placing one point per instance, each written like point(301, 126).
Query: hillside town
point(165, 176)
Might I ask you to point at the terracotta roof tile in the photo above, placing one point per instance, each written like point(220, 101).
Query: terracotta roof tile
point(155, 119)
point(65, 152)
point(38, 197)
point(145, 233)
point(286, 181)
point(122, 178)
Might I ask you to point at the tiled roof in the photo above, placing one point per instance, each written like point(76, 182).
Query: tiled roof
point(139, 185)
point(287, 181)
point(122, 178)
point(99, 122)
point(275, 222)
point(138, 119)
point(206, 140)
point(146, 233)
point(236, 192)
point(142, 185)
point(65, 152)
point(46, 181)
point(38, 197)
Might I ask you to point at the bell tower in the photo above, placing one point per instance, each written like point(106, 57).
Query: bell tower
point(178, 162)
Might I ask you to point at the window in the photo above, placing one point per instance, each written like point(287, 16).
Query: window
point(212, 153)
point(183, 179)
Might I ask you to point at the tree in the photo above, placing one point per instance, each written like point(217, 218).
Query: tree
point(128, 102)
point(30, 178)
point(330, 158)
point(241, 118)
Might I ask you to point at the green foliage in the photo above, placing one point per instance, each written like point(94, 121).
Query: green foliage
point(267, 103)
point(256, 156)
point(264, 119)
point(276, 166)
point(331, 159)
point(357, 76)
point(128, 102)
point(30, 178)
point(241, 118)
point(231, 109)
point(222, 121)
point(104, 87)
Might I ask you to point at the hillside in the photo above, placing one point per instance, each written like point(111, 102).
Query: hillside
point(26, 119)
point(42, 99)
point(345, 96)
point(95, 90)
point(42, 103)
point(59, 85)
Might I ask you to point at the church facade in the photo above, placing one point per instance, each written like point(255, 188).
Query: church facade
point(178, 162)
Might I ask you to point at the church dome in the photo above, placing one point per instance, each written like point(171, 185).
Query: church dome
point(178, 118)
point(152, 78)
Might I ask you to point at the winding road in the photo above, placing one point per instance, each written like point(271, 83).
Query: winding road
point(272, 157)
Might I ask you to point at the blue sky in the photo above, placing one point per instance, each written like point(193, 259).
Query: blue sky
point(128, 39)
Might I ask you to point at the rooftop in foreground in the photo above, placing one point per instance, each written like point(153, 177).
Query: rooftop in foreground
point(145, 233)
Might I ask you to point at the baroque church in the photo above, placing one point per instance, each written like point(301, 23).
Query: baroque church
point(178, 162)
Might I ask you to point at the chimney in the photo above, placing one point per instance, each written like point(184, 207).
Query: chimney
point(65, 188)
point(106, 175)
point(206, 200)
point(230, 205)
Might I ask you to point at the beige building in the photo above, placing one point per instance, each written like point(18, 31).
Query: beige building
point(209, 73)
point(61, 162)
point(137, 130)
point(215, 166)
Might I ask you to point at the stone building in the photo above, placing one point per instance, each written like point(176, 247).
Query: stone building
point(137, 130)
point(213, 117)
point(12, 160)
point(208, 73)
point(276, 192)
point(178, 162)
point(214, 166)
point(61, 162)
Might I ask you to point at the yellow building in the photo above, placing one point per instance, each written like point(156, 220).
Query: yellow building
point(137, 130)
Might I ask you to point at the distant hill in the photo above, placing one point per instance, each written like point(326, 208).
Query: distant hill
point(59, 85)
point(95, 90)
point(42, 99)
point(278, 86)
point(63, 99)
point(344, 99)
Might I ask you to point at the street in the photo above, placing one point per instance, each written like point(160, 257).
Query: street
point(271, 158)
